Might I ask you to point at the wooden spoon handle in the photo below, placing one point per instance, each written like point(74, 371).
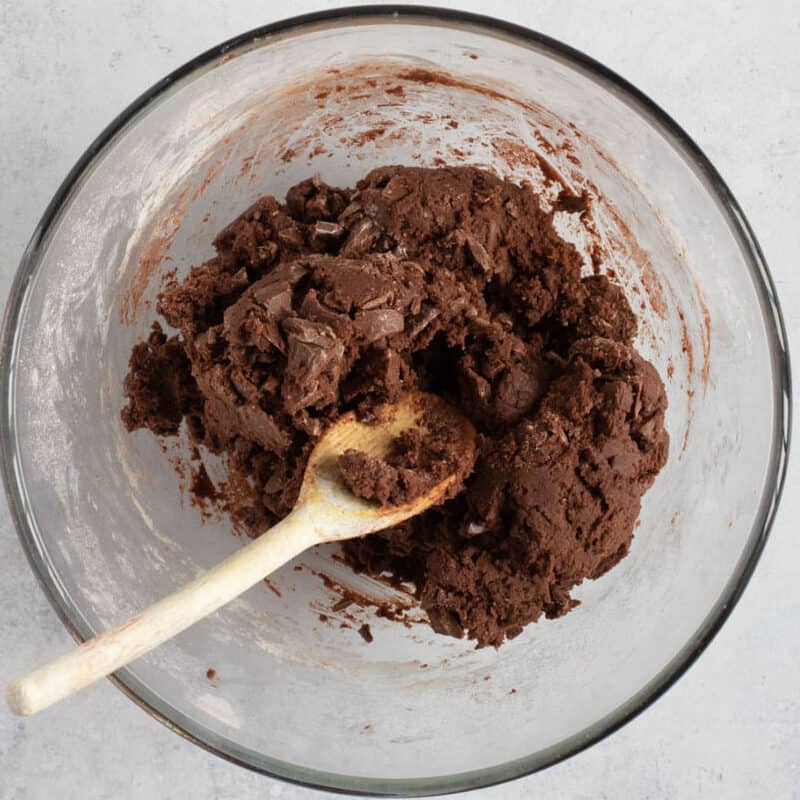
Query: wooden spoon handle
point(109, 651)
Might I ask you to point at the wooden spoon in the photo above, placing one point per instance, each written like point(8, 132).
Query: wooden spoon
point(326, 511)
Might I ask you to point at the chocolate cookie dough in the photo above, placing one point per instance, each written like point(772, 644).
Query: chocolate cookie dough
point(452, 281)
point(418, 460)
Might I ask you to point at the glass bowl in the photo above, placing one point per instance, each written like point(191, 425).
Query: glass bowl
point(105, 516)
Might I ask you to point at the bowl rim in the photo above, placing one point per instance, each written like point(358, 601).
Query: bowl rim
point(768, 503)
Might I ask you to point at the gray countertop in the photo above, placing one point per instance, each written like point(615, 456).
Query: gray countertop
point(730, 75)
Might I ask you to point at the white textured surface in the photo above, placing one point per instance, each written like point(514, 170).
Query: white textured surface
point(731, 77)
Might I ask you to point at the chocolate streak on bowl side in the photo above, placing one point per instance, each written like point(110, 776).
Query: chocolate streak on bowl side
point(455, 282)
point(154, 252)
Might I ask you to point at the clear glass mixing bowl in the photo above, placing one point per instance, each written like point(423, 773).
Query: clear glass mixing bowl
point(97, 508)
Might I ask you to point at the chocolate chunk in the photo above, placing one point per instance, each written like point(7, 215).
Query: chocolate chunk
point(355, 284)
point(479, 254)
point(329, 230)
point(254, 319)
point(378, 323)
point(418, 322)
point(314, 365)
point(311, 308)
point(361, 239)
point(326, 235)
point(261, 428)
